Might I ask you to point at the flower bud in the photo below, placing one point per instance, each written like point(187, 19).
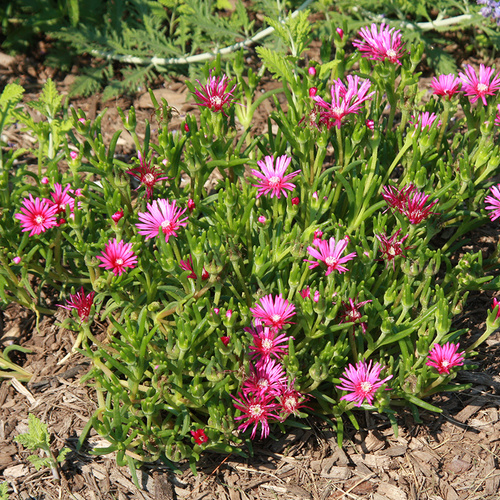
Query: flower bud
point(295, 201)
point(340, 32)
point(16, 260)
point(312, 71)
point(313, 91)
point(191, 205)
point(117, 216)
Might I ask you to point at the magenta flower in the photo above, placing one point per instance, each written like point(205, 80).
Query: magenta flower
point(345, 100)
point(478, 88)
point(147, 175)
point(81, 302)
point(496, 303)
point(494, 202)
point(62, 198)
point(330, 253)
point(214, 95)
point(117, 256)
point(225, 340)
point(306, 293)
point(290, 401)
point(256, 410)
point(497, 117)
point(161, 215)
point(273, 312)
point(267, 342)
point(17, 260)
point(362, 381)
point(266, 378)
point(445, 85)
point(380, 45)
point(273, 178)
point(416, 209)
point(199, 436)
point(187, 265)
point(445, 357)
point(424, 120)
point(391, 247)
point(350, 312)
point(409, 202)
point(117, 216)
point(37, 215)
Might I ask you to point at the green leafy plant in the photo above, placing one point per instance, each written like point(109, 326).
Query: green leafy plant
point(4, 491)
point(38, 438)
point(324, 266)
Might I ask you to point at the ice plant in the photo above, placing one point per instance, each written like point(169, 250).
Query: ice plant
point(424, 120)
point(416, 209)
point(496, 303)
point(351, 312)
point(273, 312)
point(445, 85)
point(267, 377)
point(199, 436)
point(117, 256)
point(62, 198)
point(117, 216)
point(290, 401)
point(81, 302)
point(445, 357)
point(267, 343)
point(187, 265)
point(345, 100)
point(382, 44)
point(256, 410)
point(391, 247)
point(147, 175)
point(494, 202)
point(497, 117)
point(215, 95)
point(397, 198)
point(37, 215)
point(16, 260)
point(362, 382)
point(330, 253)
point(479, 87)
point(272, 178)
point(161, 215)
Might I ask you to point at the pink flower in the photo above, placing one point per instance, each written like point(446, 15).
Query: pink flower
point(340, 32)
point(445, 357)
point(273, 178)
point(380, 45)
point(37, 215)
point(62, 198)
point(81, 120)
point(44, 180)
point(494, 202)
point(16, 260)
point(305, 293)
point(330, 253)
point(273, 312)
point(416, 210)
point(186, 127)
point(266, 378)
point(117, 256)
point(229, 313)
point(81, 302)
point(147, 175)
point(216, 310)
point(424, 120)
point(350, 312)
point(73, 155)
point(290, 401)
point(345, 100)
point(313, 91)
point(362, 381)
point(318, 234)
point(117, 216)
point(266, 342)
point(161, 215)
point(391, 247)
point(187, 265)
point(312, 71)
point(496, 303)
point(316, 296)
point(370, 124)
point(497, 117)
point(214, 95)
point(295, 201)
point(256, 410)
point(409, 202)
point(445, 85)
point(199, 436)
point(191, 205)
point(478, 88)
point(225, 340)
point(262, 219)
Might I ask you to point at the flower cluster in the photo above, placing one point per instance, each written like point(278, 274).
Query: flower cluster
point(267, 393)
point(37, 215)
point(491, 9)
point(409, 202)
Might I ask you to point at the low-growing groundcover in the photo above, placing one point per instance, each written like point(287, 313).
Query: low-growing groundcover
point(319, 276)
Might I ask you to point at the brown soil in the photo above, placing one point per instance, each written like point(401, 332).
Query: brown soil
point(451, 456)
